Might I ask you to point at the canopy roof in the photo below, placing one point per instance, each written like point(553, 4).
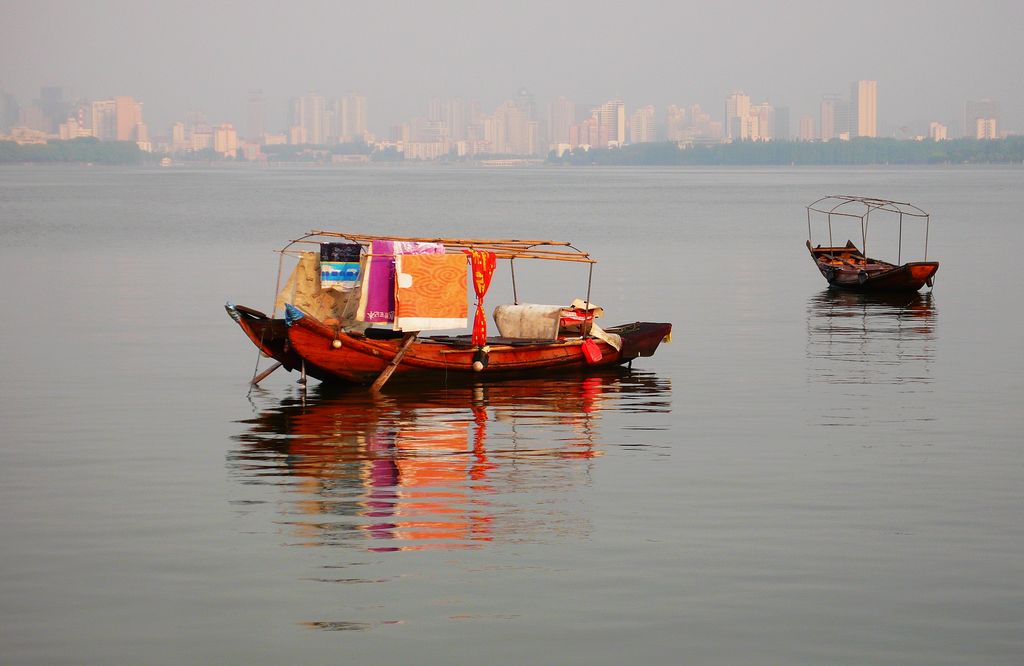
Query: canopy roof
point(502, 248)
point(861, 207)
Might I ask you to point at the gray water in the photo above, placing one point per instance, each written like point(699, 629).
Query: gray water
point(799, 477)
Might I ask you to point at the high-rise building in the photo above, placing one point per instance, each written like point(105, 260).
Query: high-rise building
point(9, 111)
point(309, 113)
point(437, 109)
point(762, 122)
point(201, 139)
point(611, 123)
point(512, 130)
point(937, 131)
point(584, 133)
point(129, 115)
point(835, 122)
point(561, 118)
point(225, 140)
point(737, 115)
point(864, 108)
point(526, 104)
point(457, 119)
point(702, 126)
point(353, 117)
point(781, 130)
point(807, 132)
point(986, 128)
point(72, 129)
point(54, 108)
point(675, 123)
point(297, 135)
point(104, 120)
point(641, 125)
point(982, 109)
point(255, 126)
point(178, 137)
point(195, 121)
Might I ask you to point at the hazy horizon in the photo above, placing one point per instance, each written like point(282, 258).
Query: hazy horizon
point(928, 57)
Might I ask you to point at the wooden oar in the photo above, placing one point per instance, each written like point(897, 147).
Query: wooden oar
point(393, 365)
point(263, 375)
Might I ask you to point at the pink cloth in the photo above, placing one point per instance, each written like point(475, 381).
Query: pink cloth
point(377, 298)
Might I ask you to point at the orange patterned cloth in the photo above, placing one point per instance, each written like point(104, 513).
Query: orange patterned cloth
point(430, 292)
point(483, 268)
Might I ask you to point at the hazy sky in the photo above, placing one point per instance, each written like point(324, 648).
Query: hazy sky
point(928, 57)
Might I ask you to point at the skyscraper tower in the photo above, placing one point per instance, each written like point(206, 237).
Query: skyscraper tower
point(308, 114)
point(9, 110)
point(737, 115)
point(526, 103)
point(128, 116)
point(834, 117)
point(611, 123)
point(781, 131)
point(257, 116)
point(864, 108)
point(562, 118)
point(353, 117)
point(984, 110)
point(457, 119)
point(642, 127)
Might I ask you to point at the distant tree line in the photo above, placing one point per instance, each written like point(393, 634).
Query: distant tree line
point(859, 151)
point(83, 150)
point(313, 152)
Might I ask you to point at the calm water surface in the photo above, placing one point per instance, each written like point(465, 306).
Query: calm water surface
point(800, 477)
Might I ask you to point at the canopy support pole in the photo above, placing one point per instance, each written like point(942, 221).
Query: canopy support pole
point(927, 223)
point(590, 313)
point(512, 266)
point(899, 244)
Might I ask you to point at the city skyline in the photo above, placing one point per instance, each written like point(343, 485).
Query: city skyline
point(928, 57)
point(457, 127)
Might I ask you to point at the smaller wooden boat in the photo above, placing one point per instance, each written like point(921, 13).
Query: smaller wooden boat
point(319, 335)
point(847, 266)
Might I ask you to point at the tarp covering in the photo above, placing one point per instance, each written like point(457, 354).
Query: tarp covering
point(528, 321)
point(303, 290)
point(547, 322)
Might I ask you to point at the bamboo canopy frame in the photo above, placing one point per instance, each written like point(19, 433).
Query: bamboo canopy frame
point(510, 249)
point(502, 248)
point(860, 208)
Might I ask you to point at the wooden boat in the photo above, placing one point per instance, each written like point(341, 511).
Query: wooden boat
point(340, 349)
point(847, 266)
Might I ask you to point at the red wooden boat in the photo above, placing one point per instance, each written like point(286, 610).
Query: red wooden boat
point(534, 340)
point(847, 266)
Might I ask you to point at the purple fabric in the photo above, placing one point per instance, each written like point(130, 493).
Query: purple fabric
point(380, 276)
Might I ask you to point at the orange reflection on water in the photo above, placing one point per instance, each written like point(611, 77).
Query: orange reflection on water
point(436, 470)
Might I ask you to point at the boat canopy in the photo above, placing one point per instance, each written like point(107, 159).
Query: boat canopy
point(861, 208)
point(303, 287)
point(502, 248)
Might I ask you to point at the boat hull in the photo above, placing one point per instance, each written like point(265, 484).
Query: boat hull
point(356, 358)
point(846, 268)
point(270, 335)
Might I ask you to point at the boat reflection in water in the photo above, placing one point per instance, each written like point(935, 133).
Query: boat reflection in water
point(448, 468)
point(863, 348)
